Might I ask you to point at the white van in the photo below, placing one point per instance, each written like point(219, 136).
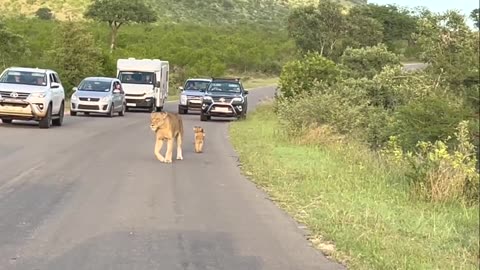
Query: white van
point(145, 82)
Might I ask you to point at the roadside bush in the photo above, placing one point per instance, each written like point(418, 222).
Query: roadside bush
point(342, 106)
point(437, 173)
point(367, 61)
point(301, 76)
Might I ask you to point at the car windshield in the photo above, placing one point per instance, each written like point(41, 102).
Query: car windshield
point(192, 85)
point(224, 87)
point(94, 85)
point(136, 77)
point(24, 77)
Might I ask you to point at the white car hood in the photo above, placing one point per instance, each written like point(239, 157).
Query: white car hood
point(23, 88)
point(131, 88)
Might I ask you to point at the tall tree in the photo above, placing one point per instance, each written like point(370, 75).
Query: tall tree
point(75, 54)
point(475, 16)
point(318, 29)
point(119, 12)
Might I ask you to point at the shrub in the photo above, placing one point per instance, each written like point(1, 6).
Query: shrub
point(368, 61)
point(438, 174)
point(300, 76)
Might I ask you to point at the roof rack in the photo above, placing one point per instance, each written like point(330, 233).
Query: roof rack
point(225, 79)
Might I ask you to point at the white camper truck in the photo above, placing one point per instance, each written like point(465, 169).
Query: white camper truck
point(145, 82)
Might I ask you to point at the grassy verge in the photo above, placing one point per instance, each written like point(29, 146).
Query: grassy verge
point(345, 195)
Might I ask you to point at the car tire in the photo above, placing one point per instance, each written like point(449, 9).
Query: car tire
point(110, 112)
point(152, 108)
point(7, 121)
point(72, 113)
point(59, 121)
point(122, 112)
point(204, 117)
point(182, 110)
point(46, 122)
point(159, 109)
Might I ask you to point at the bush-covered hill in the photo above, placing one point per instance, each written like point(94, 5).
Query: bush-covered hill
point(201, 11)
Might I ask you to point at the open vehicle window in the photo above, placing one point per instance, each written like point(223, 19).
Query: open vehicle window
point(96, 86)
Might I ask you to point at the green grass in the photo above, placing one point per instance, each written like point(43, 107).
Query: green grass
point(345, 195)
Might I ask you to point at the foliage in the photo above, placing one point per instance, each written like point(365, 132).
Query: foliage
point(203, 12)
point(363, 31)
point(438, 174)
point(368, 61)
point(13, 46)
point(475, 16)
point(44, 13)
point(300, 76)
point(448, 45)
point(119, 12)
point(318, 29)
point(397, 23)
point(75, 55)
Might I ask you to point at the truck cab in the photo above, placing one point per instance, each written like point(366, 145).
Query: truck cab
point(145, 82)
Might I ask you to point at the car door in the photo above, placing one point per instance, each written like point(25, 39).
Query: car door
point(55, 94)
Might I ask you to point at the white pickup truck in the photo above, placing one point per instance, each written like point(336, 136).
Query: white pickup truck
point(32, 94)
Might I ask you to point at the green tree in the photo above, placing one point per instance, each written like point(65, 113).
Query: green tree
point(398, 23)
point(75, 54)
point(119, 12)
point(12, 47)
point(449, 46)
point(363, 31)
point(318, 29)
point(475, 16)
point(44, 13)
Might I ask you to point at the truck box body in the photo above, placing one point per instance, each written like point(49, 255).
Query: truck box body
point(145, 82)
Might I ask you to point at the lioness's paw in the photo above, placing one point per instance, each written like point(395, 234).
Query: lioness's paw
point(168, 161)
point(180, 158)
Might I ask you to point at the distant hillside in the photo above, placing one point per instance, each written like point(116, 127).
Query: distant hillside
point(200, 11)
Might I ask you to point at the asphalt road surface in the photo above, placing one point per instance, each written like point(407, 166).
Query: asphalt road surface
point(92, 195)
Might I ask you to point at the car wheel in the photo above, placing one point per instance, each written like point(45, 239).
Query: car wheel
point(72, 113)
point(46, 122)
point(204, 117)
point(7, 121)
point(110, 112)
point(152, 108)
point(122, 112)
point(59, 121)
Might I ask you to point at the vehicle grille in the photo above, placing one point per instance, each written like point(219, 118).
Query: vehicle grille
point(21, 95)
point(217, 99)
point(135, 95)
point(87, 107)
point(89, 99)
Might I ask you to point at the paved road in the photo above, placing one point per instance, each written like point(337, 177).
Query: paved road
point(91, 195)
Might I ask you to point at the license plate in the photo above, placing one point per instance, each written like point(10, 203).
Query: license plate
point(221, 109)
point(195, 101)
point(131, 104)
point(9, 100)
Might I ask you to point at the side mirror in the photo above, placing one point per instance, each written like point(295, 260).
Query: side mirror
point(116, 91)
point(180, 88)
point(246, 92)
point(157, 84)
point(54, 85)
point(75, 89)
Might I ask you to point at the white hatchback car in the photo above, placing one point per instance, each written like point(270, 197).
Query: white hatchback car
point(32, 94)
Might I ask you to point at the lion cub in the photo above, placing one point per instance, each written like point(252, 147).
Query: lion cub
point(169, 127)
point(199, 137)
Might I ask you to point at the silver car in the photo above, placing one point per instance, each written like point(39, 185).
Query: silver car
point(98, 95)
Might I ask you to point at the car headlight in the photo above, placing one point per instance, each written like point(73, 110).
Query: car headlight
point(149, 93)
point(38, 95)
point(237, 99)
point(183, 99)
point(73, 97)
point(105, 98)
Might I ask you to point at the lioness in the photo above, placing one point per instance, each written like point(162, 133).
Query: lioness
point(199, 137)
point(167, 126)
